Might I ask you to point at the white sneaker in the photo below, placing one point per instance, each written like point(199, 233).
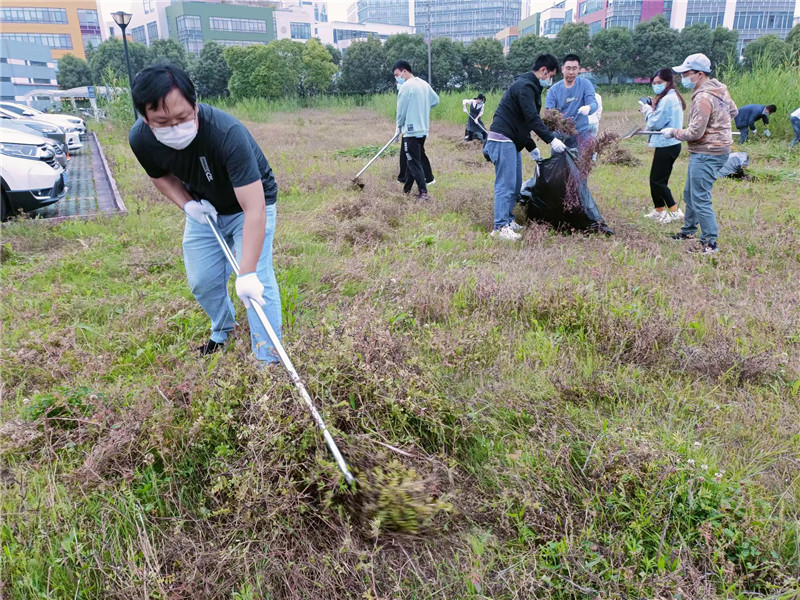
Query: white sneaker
point(516, 227)
point(677, 215)
point(506, 233)
point(664, 217)
point(653, 214)
point(431, 182)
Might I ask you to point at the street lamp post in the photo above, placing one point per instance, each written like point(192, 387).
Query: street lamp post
point(122, 19)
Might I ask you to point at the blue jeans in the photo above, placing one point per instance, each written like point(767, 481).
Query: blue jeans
point(743, 133)
point(795, 121)
point(700, 178)
point(208, 273)
point(507, 179)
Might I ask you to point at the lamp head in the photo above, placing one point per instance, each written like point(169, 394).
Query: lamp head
point(122, 18)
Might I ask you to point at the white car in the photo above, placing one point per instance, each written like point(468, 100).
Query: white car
point(30, 176)
point(75, 127)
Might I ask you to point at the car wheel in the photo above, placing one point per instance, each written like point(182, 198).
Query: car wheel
point(5, 209)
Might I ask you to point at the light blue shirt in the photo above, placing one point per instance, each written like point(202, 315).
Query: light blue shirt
point(668, 113)
point(414, 103)
point(569, 100)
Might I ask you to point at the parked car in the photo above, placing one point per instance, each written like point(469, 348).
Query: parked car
point(30, 176)
point(64, 121)
point(34, 127)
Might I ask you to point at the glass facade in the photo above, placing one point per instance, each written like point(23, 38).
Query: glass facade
point(56, 41)
point(466, 20)
point(589, 7)
point(300, 31)
point(552, 26)
point(152, 32)
point(711, 12)
point(190, 33)
point(138, 35)
point(623, 13)
point(32, 15)
point(354, 34)
point(242, 43)
point(389, 12)
point(90, 27)
point(249, 25)
point(754, 18)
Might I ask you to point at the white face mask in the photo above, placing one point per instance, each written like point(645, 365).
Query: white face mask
point(178, 136)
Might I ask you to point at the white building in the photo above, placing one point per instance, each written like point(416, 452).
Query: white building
point(553, 19)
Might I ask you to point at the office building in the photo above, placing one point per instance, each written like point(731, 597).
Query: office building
point(242, 24)
point(507, 37)
point(552, 19)
point(148, 19)
point(66, 29)
point(26, 67)
point(390, 12)
point(466, 20)
point(529, 25)
point(751, 18)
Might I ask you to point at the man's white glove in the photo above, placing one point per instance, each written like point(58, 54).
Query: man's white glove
point(668, 132)
point(755, 131)
point(250, 289)
point(198, 209)
point(557, 145)
point(645, 109)
point(535, 154)
point(585, 110)
point(766, 132)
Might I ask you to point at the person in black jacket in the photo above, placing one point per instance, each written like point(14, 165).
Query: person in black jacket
point(516, 116)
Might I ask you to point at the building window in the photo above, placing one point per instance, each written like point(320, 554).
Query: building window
point(91, 40)
point(56, 41)
point(43, 81)
point(568, 16)
point(188, 23)
point(148, 6)
point(352, 34)
point(240, 25)
point(152, 32)
point(552, 26)
point(33, 15)
point(590, 6)
point(595, 27)
point(300, 31)
point(138, 35)
point(190, 33)
point(241, 43)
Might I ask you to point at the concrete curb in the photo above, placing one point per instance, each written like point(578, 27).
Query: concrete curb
point(110, 177)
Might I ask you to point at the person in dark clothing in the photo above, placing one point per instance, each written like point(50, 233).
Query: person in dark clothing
point(516, 116)
point(475, 127)
point(208, 164)
point(426, 166)
point(747, 117)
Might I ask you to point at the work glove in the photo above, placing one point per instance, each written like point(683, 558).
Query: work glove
point(250, 289)
point(198, 209)
point(755, 131)
point(668, 132)
point(535, 155)
point(767, 133)
point(557, 145)
point(645, 109)
point(585, 110)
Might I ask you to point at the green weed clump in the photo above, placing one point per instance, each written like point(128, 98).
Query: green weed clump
point(368, 151)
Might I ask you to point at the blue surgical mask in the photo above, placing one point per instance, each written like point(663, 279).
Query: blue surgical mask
point(400, 81)
point(658, 88)
point(687, 83)
point(546, 82)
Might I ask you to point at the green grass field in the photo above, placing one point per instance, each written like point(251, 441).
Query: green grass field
point(564, 417)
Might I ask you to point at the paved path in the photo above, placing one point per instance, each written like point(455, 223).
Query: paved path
point(90, 190)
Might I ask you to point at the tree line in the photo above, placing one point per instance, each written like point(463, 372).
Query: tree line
point(286, 68)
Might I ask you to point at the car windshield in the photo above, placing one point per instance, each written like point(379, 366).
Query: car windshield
point(21, 109)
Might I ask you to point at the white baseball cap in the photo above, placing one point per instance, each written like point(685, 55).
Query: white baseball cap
point(694, 62)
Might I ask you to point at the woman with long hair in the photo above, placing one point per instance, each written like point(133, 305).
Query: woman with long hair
point(664, 110)
point(475, 127)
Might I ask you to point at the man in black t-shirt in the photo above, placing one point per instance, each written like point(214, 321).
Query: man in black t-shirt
point(207, 163)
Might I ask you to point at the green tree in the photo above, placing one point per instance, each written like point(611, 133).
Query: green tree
point(211, 72)
point(524, 50)
point(318, 69)
point(793, 42)
point(447, 57)
point(111, 54)
point(485, 64)
point(364, 68)
point(572, 38)
point(768, 48)
point(697, 37)
point(73, 72)
point(409, 47)
point(655, 46)
point(336, 54)
point(612, 50)
point(723, 48)
point(168, 51)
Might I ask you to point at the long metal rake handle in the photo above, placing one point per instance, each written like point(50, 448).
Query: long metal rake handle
point(374, 158)
point(287, 363)
point(478, 124)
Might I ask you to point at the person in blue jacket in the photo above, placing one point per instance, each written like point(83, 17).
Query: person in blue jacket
point(664, 110)
point(574, 98)
point(747, 117)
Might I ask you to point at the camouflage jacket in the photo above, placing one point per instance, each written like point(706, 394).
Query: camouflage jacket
point(709, 129)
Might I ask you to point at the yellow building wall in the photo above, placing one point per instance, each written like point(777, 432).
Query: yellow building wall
point(72, 27)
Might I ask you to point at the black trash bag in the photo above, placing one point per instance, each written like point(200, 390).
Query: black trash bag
point(545, 196)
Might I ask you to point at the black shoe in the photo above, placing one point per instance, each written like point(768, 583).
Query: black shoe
point(209, 348)
point(600, 227)
point(683, 236)
point(423, 196)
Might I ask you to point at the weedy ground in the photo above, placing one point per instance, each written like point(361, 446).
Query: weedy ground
point(565, 417)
